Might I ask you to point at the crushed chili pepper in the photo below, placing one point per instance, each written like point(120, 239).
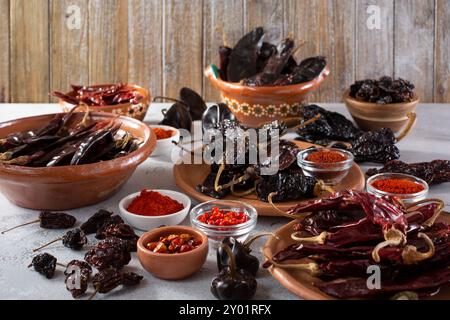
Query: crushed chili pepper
point(218, 217)
point(326, 157)
point(162, 134)
point(174, 243)
point(152, 203)
point(398, 186)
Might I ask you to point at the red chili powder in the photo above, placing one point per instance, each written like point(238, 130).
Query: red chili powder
point(162, 134)
point(151, 203)
point(326, 157)
point(399, 186)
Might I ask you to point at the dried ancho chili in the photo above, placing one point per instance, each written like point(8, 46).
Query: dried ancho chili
point(398, 186)
point(152, 203)
point(109, 279)
point(73, 239)
point(51, 220)
point(257, 63)
point(45, 264)
point(78, 273)
point(233, 283)
point(434, 172)
point(383, 91)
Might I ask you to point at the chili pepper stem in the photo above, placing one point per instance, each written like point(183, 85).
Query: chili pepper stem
point(92, 296)
point(311, 267)
point(412, 120)
point(242, 194)
point(21, 225)
point(304, 124)
point(249, 242)
point(393, 237)
point(231, 259)
point(410, 254)
point(332, 144)
point(320, 187)
point(439, 209)
point(47, 244)
point(320, 239)
point(281, 212)
point(219, 173)
point(61, 264)
point(232, 182)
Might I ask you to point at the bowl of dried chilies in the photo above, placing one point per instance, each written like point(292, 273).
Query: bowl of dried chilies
point(339, 244)
point(65, 161)
point(262, 82)
point(122, 99)
point(383, 103)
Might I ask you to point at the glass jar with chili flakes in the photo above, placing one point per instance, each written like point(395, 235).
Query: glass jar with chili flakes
point(219, 219)
point(404, 186)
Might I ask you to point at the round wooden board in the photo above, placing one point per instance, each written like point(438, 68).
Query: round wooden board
point(300, 282)
point(188, 176)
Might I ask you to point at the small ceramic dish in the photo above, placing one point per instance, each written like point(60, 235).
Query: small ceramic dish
point(165, 146)
point(329, 173)
point(407, 198)
point(136, 111)
point(172, 266)
point(373, 116)
point(217, 233)
point(146, 223)
point(255, 106)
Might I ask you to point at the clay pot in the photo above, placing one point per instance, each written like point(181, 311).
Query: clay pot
point(70, 187)
point(373, 116)
point(172, 266)
point(137, 111)
point(255, 106)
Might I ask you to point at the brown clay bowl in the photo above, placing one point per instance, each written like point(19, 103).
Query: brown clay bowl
point(373, 116)
point(136, 111)
point(70, 187)
point(255, 106)
point(172, 266)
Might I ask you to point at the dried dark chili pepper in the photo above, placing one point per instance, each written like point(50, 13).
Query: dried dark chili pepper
point(109, 279)
point(78, 274)
point(266, 51)
point(232, 283)
point(121, 231)
point(131, 279)
point(97, 221)
point(434, 172)
point(307, 70)
point(243, 59)
point(178, 117)
point(224, 56)
point(45, 264)
point(51, 220)
point(73, 239)
point(242, 254)
point(110, 221)
point(383, 91)
point(215, 114)
point(194, 101)
point(110, 253)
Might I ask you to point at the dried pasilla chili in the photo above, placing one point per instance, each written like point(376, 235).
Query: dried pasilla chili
point(96, 221)
point(233, 283)
point(434, 172)
point(241, 252)
point(45, 264)
point(398, 186)
point(78, 274)
point(110, 253)
point(73, 239)
point(50, 220)
point(152, 203)
point(383, 91)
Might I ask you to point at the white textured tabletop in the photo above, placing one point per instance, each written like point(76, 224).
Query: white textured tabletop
point(429, 140)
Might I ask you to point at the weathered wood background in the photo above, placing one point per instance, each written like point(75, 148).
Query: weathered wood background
point(165, 44)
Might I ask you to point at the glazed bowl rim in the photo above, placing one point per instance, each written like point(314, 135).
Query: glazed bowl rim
point(163, 192)
point(177, 229)
point(133, 159)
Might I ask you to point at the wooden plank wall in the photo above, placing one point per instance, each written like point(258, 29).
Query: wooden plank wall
point(164, 45)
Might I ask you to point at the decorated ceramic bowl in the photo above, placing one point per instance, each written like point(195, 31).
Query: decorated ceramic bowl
point(136, 111)
point(254, 106)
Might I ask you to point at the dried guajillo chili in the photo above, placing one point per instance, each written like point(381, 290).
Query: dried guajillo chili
point(434, 172)
point(398, 186)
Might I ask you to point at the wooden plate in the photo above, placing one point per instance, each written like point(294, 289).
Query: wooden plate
point(188, 176)
point(300, 282)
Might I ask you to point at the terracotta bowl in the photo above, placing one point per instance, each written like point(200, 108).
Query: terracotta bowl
point(137, 111)
point(254, 106)
point(172, 266)
point(373, 116)
point(69, 187)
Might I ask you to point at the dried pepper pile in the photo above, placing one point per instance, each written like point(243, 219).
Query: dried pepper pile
point(63, 143)
point(383, 91)
point(256, 63)
point(349, 231)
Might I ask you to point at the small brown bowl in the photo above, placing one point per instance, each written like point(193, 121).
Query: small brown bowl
point(172, 266)
point(255, 106)
point(373, 116)
point(136, 111)
point(70, 187)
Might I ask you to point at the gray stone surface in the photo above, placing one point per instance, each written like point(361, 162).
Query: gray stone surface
point(430, 140)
